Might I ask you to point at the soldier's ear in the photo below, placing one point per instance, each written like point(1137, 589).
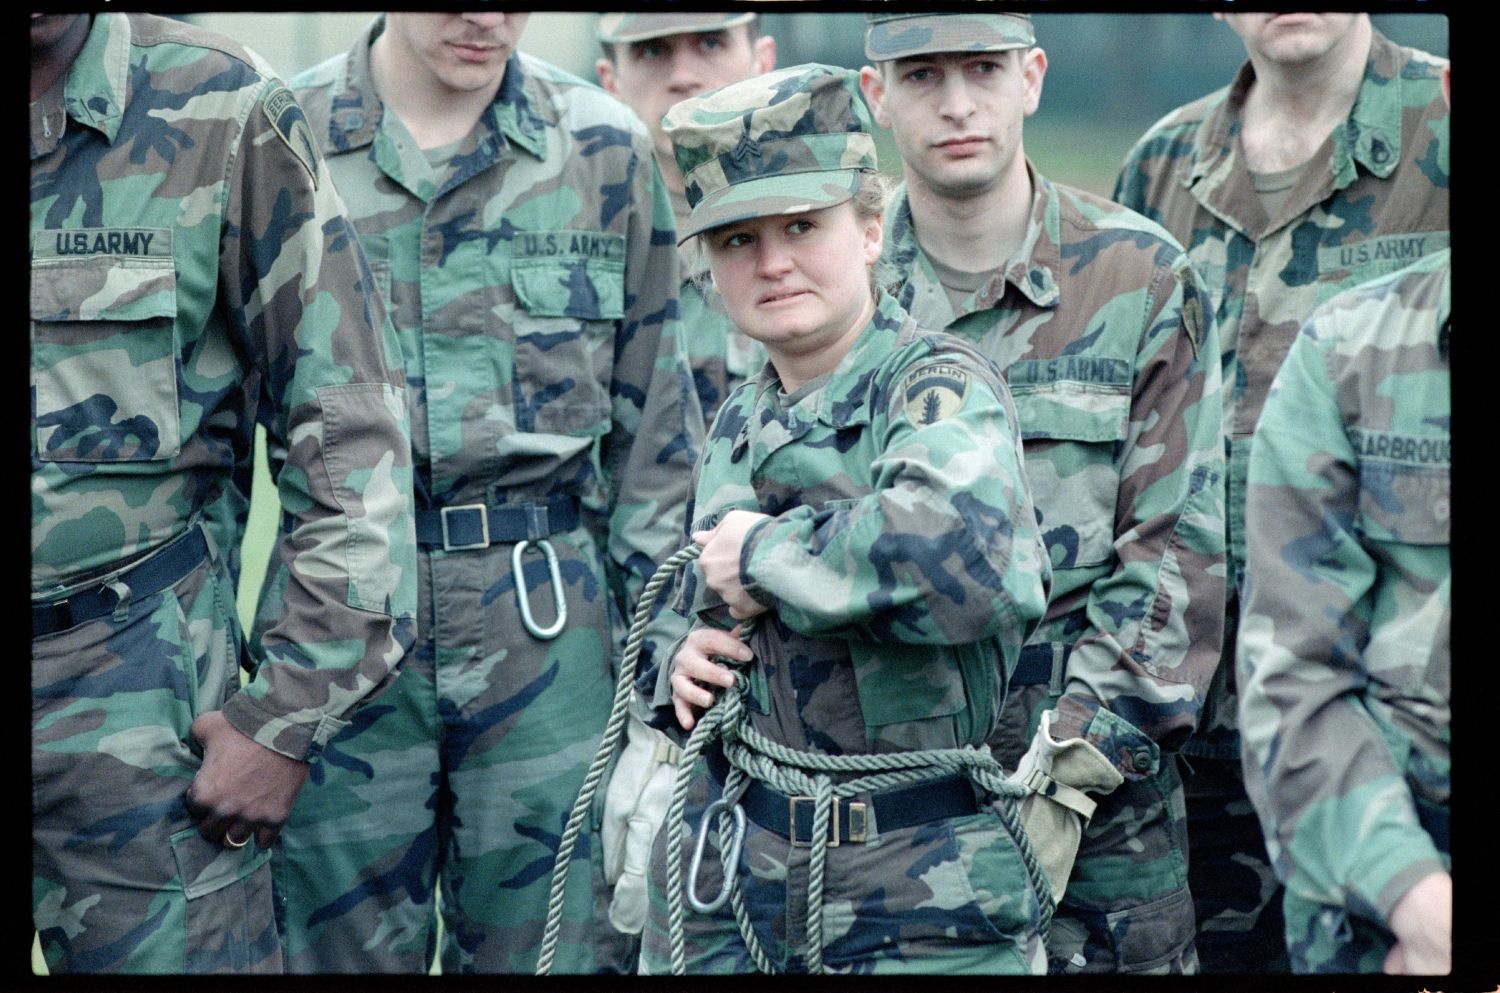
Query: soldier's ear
point(1448, 85)
point(873, 87)
point(765, 54)
point(874, 238)
point(605, 70)
point(1033, 70)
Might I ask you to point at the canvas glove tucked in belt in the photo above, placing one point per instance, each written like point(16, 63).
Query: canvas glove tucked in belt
point(640, 789)
point(1056, 808)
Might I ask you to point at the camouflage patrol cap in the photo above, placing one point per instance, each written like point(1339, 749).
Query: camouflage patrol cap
point(622, 29)
point(899, 36)
point(792, 140)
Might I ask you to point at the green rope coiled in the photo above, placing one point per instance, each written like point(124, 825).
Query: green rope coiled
point(618, 713)
point(752, 755)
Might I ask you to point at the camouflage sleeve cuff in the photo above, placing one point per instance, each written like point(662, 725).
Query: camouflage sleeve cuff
point(1408, 876)
point(1126, 746)
point(752, 540)
point(294, 739)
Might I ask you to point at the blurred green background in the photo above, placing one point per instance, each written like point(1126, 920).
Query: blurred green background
point(1109, 77)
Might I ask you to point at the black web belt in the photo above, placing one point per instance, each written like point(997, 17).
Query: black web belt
point(156, 572)
point(474, 525)
point(898, 807)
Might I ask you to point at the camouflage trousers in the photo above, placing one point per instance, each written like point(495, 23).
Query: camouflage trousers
point(121, 880)
point(1238, 898)
point(1127, 908)
point(947, 897)
point(459, 779)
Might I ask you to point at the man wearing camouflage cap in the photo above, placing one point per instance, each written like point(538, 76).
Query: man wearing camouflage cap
point(515, 220)
point(1098, 322)
point(862, 504)
point(1322, 165)
point(193, 271)
point(652, 61)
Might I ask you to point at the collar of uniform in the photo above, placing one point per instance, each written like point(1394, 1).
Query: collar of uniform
point(845, 399)
point(1214, 144)
point(1032, 270)
point(357, 109)
point(99, 79)
point(355, 119)
point(1373, 139)
point(522, 112)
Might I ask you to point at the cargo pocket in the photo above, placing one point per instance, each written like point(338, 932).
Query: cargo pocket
point(567, 304)
point(1152, 936)
point(104, 358)
point(1071, 431)
point(229, 921)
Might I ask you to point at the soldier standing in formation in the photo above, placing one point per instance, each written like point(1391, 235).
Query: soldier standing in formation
point(1349, 501)
point(1323, 165)
point(192, 271)
point(515, 220)
point(862, 502)
point(1097, 320)
point(652, 61)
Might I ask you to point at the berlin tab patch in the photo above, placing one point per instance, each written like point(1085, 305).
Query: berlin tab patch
point(288, 121)
point(934, 392)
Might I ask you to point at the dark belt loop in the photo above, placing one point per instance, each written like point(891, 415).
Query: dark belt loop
point(537, 521)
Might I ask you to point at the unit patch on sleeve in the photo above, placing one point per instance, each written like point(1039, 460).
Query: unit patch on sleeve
point(934, 392)
point(288, 121)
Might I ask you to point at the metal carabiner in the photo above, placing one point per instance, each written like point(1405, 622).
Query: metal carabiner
point(559, 601)
point(732, 860)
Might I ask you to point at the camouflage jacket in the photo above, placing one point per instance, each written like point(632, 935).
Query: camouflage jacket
point(1098, 324)
point(1345, 643)
point(902, 563)
point(1372, 200)
point(722, 356)
point(192, 268)
point(543, 352)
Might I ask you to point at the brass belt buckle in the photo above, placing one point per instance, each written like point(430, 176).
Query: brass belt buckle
point(859, 822)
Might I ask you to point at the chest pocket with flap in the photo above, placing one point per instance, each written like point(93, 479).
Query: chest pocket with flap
point(1071, 431)
point(104, 357)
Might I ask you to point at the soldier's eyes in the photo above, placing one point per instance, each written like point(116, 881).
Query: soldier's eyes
point(736, 239)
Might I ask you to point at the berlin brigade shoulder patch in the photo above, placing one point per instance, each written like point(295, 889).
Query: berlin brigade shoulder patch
point(934, 392)
point(287, 120)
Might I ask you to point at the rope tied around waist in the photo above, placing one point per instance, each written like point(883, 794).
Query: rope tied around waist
point(752, 755)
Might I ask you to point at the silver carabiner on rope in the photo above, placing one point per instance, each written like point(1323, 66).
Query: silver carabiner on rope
point(559, 601)
point(732, 860)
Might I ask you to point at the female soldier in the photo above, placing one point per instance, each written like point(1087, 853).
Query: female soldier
point(863, 501)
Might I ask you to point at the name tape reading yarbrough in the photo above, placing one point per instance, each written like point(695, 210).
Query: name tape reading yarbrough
point(1402, 447)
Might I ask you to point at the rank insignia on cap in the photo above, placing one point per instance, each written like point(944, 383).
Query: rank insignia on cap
point(933, 393)
point(288, 121)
